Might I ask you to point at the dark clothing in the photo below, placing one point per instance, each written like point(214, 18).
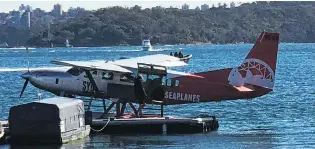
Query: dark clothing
point(176, 54)
point(171, 54)
point(158, 93)
point(180, 55)
point(139, 91)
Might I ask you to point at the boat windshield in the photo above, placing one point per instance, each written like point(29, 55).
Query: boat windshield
point(146, 42)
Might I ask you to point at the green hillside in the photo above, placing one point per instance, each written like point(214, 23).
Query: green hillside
point(128, 26)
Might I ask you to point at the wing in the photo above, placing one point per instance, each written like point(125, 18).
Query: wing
point(174, 74)
point(92, 65)
point(158, 59)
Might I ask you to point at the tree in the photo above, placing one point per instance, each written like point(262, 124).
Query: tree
point(128, 26)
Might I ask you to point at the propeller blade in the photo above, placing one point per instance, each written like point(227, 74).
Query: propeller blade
point(28, 60)
point(24, 86)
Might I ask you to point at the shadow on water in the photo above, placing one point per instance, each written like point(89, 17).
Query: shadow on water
point(35, 146)
point(78, 144)
point(252, 139)
point(130, 141)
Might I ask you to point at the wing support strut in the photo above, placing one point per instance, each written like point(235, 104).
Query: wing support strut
point(92, 81)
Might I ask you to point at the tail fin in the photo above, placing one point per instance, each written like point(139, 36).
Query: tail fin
point(260, 64)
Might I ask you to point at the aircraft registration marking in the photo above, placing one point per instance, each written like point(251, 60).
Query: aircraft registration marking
point(182, 96)
point(87, 86)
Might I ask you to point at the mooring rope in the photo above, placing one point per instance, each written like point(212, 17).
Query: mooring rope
point(101, 128)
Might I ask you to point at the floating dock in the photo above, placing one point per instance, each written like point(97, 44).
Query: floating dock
point(125, 123)
point(68, 120)
point(154, 124)
point(151, 124)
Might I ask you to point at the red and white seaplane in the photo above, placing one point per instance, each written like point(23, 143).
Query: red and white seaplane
point(254, 77)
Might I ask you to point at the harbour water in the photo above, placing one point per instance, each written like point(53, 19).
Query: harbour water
point(281, 119)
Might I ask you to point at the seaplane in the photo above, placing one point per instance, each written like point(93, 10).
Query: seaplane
point(254, 77)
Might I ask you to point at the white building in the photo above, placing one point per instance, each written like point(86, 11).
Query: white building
point(185, 7)
point(26, 19)
point(232, 5)
point(204, 7)
point(15, 18)
point(57, 11)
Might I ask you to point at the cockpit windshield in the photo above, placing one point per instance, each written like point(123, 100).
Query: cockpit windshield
point(75, 71)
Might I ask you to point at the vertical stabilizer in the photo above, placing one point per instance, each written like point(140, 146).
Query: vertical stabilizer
point(260, 64)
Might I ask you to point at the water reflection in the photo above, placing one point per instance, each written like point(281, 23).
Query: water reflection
point(78, 144)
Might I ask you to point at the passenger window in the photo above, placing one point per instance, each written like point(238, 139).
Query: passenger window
point(57, 81)
point(152, 77)
point(169, 82)
point(107, 75)
point(164, 81)
point(127, 78)
point(176, 83)
point(94, 73)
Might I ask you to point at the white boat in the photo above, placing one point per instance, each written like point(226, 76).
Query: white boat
point(4, 45)
point(186, 58)
point(146, 45)
point(68, 44)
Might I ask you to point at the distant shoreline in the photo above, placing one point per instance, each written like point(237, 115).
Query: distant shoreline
point(30, 48)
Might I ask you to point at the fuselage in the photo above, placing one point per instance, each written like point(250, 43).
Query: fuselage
point(254, 77)
point(177, 89)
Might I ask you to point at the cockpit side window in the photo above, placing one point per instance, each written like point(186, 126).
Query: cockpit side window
point(107, 75)
point(127, 77)
point(94, 73)
point(75, 71)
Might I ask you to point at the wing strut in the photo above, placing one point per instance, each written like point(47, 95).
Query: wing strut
point(92, 81)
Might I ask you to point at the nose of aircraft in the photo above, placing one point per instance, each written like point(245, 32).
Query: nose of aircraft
point(26, 75)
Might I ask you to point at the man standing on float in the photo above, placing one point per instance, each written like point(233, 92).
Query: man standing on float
point(139, 94)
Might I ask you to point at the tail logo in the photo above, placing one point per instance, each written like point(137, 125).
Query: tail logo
point(254, 72)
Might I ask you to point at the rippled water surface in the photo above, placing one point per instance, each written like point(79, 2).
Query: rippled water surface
point(281, 119)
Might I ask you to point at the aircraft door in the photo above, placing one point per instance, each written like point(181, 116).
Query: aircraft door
point(156, 79)
point(155, 87)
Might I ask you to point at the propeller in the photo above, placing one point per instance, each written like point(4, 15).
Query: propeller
point(26, 75)
point(28, 60)
point(24, 86)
